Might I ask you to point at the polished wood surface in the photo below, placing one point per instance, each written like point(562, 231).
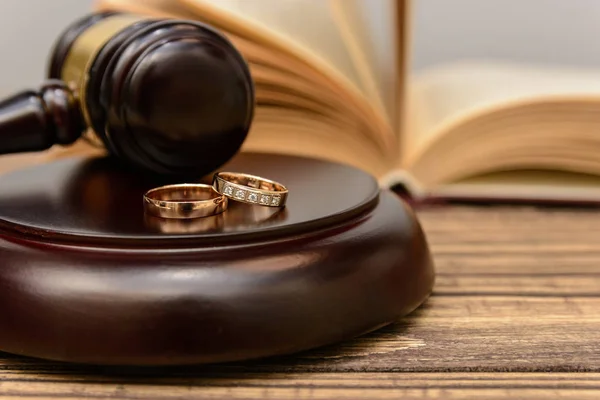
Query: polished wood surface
point(86, 277)
point(173, 97)
point(35, 120)
point(98, 199)
point(515, 314)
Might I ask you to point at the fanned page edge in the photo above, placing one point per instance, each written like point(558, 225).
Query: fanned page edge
point(406, 185)
point(403, 178)
point(404, 21)
point(358, 56)
point(247, 27)
point(510, 194)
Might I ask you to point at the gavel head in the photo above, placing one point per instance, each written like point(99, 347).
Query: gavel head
point(167, 95)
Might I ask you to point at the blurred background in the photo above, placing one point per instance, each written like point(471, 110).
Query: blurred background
point(534, 31)
point(538, 31)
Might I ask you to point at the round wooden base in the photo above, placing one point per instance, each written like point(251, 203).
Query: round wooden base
point(86, 277)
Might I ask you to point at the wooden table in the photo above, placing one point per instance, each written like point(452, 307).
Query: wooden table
point(515, 313)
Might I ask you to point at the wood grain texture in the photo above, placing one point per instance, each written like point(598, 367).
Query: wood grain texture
point(314, 386)
point(515, 251)
point(515, 314)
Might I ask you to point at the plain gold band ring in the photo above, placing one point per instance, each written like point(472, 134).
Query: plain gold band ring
point(184, 201)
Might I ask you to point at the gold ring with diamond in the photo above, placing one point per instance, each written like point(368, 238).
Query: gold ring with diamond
point(250, 189)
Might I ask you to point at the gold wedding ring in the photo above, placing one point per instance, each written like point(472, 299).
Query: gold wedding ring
point(184, 201)
point(250, 189)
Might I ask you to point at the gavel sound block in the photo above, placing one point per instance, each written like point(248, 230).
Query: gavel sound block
point(86, 277)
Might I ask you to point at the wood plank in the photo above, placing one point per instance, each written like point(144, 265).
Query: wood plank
point(464, 333)
point(450, 333)
point(490, 284)
point(514, 251)
point(309, 386)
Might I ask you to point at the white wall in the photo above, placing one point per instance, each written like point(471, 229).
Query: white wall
point(539, 31)
point(557, 31)
point(28, 29)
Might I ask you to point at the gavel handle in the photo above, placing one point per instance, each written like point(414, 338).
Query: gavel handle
point(36, 120)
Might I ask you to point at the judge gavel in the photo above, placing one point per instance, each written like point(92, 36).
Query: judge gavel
point(170, 96)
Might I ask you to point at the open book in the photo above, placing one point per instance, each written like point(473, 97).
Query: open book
point(332, 82)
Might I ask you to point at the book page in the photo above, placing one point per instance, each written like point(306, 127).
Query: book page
point(447, 96)
point(310, 23)
point(403, 33)
point(369, 29)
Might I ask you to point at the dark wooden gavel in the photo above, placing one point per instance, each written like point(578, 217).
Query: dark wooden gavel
point(170, 96)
